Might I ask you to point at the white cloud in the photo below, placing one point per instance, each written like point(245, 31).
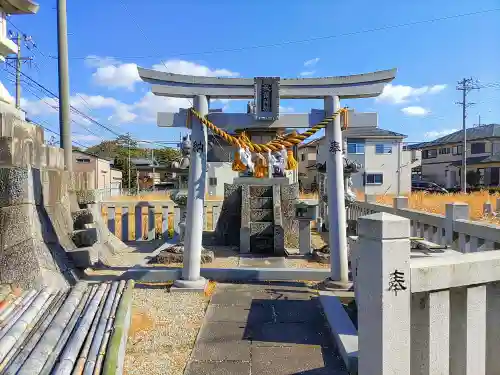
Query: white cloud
point(311, 62)
point(286, 109)
point(85, 137)
point(438, 134)
point(191, 68)
point(436, 88)
point(307, 74)
point(94, 61)
point(398, 94)
point(115, 74)
point(415, 111)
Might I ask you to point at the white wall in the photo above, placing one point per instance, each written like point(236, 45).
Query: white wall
point(387, 164)
point(224, 174)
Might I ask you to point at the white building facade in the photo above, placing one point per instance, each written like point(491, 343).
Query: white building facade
point(386, 167)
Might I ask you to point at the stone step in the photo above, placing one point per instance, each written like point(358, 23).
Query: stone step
point(262, 244)
point(262, 203)
point(261, 228)
point(261, 191)
point(259, 215)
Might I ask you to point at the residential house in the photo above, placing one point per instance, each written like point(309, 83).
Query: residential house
point(442, 158)
point(386, 167)
point(107, 178)
point(307, 160)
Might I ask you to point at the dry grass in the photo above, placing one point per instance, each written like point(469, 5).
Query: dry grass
point(436, 203)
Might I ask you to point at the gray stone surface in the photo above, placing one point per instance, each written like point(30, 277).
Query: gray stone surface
point(262, 203)
point(228, 225)
point(167, 257)
point(84, 257)
point(261, 214)
point(262, 262)
point(264, 329)
point(218, 368)
point(289, 196)
point(85, 237)
point(261, 228)
point(82, 217)
point(261, 191)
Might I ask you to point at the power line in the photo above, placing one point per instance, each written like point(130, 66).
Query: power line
point(313, 39)
point(466, 85)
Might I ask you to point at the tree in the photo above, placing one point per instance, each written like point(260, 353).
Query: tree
point(474, 178)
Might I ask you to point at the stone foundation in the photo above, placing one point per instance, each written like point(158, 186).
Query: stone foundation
point(258, 216)
point(38, 205)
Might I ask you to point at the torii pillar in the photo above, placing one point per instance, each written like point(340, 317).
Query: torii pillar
point(337, 235)
point(191, 278)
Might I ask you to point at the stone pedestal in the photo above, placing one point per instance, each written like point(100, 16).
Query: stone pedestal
point(304, 237)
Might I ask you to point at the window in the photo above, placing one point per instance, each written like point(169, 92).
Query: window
point(355, 146)
point(445, 151)
point(429, 154)
point(212, 181)
point(302, 157)
point(457, 150)
point(383, 149)
point(478, 148)
point(374, 179)
point(83, 160)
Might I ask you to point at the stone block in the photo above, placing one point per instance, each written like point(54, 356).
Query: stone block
point(261, 215)
point(383, 225)
point(290, 192)
point(262, 228)
point(261, 203)
point(87, 196)
point(7, 151)
point(85, 237)
point(27, 264)
point(84, 257)
point(261, 191)
point(229, 223)
point(82, 217)
point(17, 224)
point(16, 186)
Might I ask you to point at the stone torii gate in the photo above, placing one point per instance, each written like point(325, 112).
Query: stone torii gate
point(267, 92)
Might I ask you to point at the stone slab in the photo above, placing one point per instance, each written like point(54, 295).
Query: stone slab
point(296, 360)
point(264, 262)
point(262, 228)
point(85, 237)
point(261, 191)
point(290, 334)
point(261, 181)
point(259, 214)
point(239, 314)
point(218, 368)
point(342, 329)
point(84, 257)
point(264, 203)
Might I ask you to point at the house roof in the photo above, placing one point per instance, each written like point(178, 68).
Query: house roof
point(312, 143)
point(369, 132)
point(495, 158)
point(479, 132)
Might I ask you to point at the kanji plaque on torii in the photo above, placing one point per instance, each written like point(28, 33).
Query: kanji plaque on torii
point(267, 98)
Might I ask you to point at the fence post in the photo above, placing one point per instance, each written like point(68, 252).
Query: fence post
point(125, 218)
point(151, 223)
point(384, 296)
point(138, 222)
point(400, 203)
point(164, 222)
point(454, 211)
point(111, 219)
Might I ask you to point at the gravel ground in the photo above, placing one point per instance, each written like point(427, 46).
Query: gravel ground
point(163, 330)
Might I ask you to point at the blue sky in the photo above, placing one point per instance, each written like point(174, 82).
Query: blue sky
point(107, 39)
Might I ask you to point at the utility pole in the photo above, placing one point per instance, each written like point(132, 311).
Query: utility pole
point(64, 106)
point(465, 85)
point(19, 59)
point(129, 180)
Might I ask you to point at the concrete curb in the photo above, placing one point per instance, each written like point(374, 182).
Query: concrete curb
point(115, 353)
point(343, 331)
